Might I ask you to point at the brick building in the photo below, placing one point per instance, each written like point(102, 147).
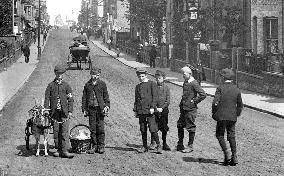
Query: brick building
point(267, 26)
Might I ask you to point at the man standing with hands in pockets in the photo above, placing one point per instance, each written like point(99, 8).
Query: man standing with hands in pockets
point(96, 104)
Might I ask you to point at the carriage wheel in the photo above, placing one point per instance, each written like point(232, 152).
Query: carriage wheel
point(69, 61)
point(90, 63)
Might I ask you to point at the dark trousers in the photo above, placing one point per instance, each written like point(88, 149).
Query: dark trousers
point(162, 121)
point(150, 121)
point(152, 63)
point(229, 126)
point(187, 121)
point(27, 59)
point(61, 132)
point(97, 127)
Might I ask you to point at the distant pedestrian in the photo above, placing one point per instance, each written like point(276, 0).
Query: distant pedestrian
point(96, 105)
point(152, 56)
point(162, 109)
point(146, 95)
point(109, 44)
point(59, 98)
point(226, 107)
point(192, 95)
point(44, 37)
point(26, 52)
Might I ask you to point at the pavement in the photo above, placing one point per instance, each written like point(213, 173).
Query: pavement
point(16, 75)
point(263, 103)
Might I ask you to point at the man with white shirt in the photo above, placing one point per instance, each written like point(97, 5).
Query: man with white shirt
point(146, 96)
point(192, 95)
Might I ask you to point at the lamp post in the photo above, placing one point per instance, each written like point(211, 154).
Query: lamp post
point(87, 1)
point(38, 30)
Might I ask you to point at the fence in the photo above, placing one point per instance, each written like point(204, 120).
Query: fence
point(10, 51)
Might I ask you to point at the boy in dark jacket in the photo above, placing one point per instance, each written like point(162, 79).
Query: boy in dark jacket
point(144, 104)
point(58, 98)
point(192, 95)
point(162, 109)
point(96, 104)
point(226, 107)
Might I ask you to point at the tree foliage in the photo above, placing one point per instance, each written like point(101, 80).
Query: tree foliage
point(6, 26)
point(149, 14)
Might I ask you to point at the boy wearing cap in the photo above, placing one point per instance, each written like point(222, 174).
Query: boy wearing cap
point(58, 98)
point(192, 95)
point(144, 104)
point(162, 110)
point(96, 104)
point(226, 107)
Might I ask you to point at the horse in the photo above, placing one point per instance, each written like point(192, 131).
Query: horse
point(41, 123)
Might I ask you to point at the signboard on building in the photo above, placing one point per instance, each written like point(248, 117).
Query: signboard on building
point(6, 17)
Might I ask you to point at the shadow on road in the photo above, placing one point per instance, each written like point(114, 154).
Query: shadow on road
point(201, 160)
point(126, 149)
point(27, 153)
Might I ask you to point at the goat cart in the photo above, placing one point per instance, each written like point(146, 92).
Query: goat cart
point(79, 55)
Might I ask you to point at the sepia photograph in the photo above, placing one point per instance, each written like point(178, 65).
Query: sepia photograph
point(142, 87)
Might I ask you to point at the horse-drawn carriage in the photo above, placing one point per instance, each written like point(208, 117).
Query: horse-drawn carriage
point(79, 53)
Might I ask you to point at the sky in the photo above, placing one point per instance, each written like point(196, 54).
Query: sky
point(63, 7)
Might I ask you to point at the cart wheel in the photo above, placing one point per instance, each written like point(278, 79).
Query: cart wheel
point(68, 61)
point(90, 64)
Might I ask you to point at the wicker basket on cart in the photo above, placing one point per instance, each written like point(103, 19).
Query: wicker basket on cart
point(80, 145)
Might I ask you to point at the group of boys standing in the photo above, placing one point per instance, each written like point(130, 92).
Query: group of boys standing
point(151, 107)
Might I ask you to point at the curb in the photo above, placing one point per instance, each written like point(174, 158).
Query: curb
point(210, 95)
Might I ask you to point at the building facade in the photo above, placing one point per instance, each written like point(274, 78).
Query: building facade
point(267, 26)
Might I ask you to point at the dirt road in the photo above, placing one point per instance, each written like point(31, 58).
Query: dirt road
point(260, 136)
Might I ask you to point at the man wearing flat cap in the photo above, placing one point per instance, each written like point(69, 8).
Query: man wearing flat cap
point(146, 96)
point(96, 105)
point(226, 107)
point(58, 98)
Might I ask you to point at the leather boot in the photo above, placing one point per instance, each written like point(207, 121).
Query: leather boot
point(223, 145)
point(101, 149)
point(66, 154)
point(180, 145)
point(93, 150)
point(164, 138)
point(191, 136)
point(233, 145)
point(144, 140)
point(152, 145)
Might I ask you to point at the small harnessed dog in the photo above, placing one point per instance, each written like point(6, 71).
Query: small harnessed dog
point(41, 123)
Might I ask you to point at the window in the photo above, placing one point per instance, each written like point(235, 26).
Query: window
point(271, 34)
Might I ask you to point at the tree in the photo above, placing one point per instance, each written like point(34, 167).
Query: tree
point(149, 14)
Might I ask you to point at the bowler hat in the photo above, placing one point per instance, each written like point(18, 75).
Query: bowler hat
point(160, 73)
point(227, 73)
point(59, 69)
point(95, 71)
point(141, 71)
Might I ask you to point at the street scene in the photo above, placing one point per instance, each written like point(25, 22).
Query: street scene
point(109, 93)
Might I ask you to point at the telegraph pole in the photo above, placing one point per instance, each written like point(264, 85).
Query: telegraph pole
point(38, 30)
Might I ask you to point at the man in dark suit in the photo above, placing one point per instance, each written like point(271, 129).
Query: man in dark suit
point(58, 98)
point(226, 107)
point(96, 104)
point(152, 56)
